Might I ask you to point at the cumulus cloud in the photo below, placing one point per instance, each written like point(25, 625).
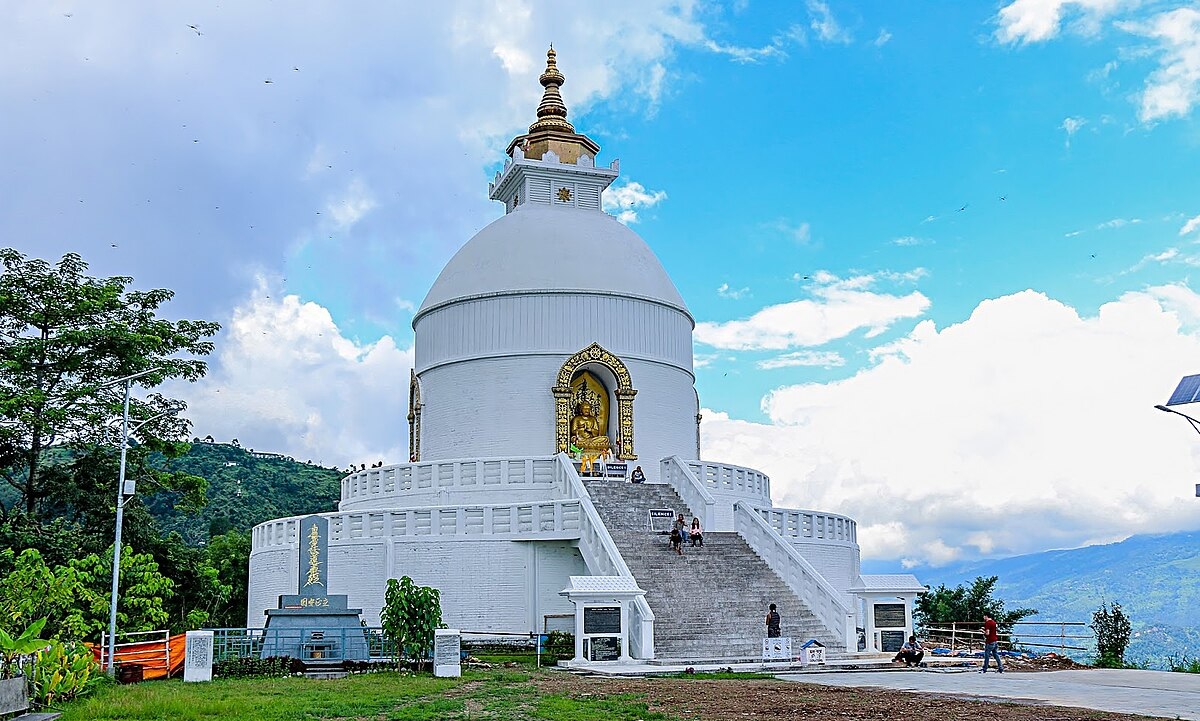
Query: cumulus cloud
point(626, 200)
point(1025, 427)
point(1191, 225)
point(839, 308)
point(352, 205)
point(725, 291)
point(824, 359)
point(1032, 21)
point(287, 379)
point(1174, 88)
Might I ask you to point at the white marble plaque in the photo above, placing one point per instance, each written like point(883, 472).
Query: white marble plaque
point(198, 656)
point(777, 648)
point(447, 652)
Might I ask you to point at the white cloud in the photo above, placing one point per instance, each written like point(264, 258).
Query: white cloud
point(732, 293)
point(929, 219)
point(883, 38)
point(1174, 88)
point(801, 233)
point(825, 24)
point(352, 205)
point(1073, 233)
point(824, 359)
point(1118, 223)
point(1072, 126)
point(1026, 423)
point(909, 240)
point(286, 379)
point(839, 308)
point(776, 49)
point(1189, 226)
point(1032, 21)
point(626, 200)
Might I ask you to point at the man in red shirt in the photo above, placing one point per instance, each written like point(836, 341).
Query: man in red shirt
point(991, 644)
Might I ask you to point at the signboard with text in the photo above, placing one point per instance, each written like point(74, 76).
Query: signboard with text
point(314, 554)
point(661, 520)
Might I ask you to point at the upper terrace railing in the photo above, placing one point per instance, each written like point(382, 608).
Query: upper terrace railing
point(799, 525)
point(753, 485)
point(430, 477)
point(545, 520)
point(806, 582)
point(603, 559)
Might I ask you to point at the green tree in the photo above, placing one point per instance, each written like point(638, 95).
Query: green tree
point(33, 590)
point(410, 615)
point(1112, 629)
point(966, 603)
point(63, 334)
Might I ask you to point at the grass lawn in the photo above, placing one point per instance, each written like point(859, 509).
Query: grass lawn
point(490, 694)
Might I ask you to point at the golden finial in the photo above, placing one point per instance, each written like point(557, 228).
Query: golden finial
point(552, 111)
point(551, 130)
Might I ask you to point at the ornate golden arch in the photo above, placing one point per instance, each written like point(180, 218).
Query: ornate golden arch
point(595, 355)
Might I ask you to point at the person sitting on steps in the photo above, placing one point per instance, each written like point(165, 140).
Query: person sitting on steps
point(677, 540)
point(696, 533)
point(638, 475)
point(682, 527)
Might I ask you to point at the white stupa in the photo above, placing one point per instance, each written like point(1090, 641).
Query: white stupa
point(553, 338)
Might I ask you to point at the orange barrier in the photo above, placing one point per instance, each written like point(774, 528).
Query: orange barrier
point(158, 658)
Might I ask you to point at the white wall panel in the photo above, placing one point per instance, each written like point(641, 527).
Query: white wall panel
point(273, 573)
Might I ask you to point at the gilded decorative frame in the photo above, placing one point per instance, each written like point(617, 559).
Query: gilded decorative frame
point(595, 354)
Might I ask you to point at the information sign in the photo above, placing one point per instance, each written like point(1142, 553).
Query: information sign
point(891, 641)
point(605, 648)
point(447, 652)
point(198, 656)
point(661, 520)
point(602, 619)
point(889, 615)
point(777, 649)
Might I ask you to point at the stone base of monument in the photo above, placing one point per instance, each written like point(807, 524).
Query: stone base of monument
point(318, 630)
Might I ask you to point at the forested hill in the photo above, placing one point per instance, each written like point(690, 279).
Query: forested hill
point(1155, 578)
point(245, 489)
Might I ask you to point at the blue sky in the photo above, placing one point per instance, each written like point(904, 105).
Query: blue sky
point(940, 255)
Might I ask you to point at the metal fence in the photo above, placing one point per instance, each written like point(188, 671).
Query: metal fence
point(366, 643)
point(1064, 636)
point(148, 649)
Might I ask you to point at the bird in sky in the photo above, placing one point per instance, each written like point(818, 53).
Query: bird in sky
point(269, 81)
point(195, 29)
point(963, 208)
point(1003, 197)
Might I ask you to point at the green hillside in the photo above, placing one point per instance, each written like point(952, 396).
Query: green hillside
point(245, 489)
point(1155, 578)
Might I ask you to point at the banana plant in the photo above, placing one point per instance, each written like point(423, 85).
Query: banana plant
point(13, 649)
point(62, 672)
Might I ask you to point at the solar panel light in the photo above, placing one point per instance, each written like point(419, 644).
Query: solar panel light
point(1188, 391)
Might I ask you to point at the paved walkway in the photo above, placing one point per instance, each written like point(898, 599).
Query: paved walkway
point(1150, 693)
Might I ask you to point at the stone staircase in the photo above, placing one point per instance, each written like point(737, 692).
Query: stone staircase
point(709, 603)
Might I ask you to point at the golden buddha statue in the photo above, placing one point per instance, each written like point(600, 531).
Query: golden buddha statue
point(586, 432)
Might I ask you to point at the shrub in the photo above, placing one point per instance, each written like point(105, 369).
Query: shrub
point(411, 614)
point(251, 666)
point(560, 645)
point(1112, 629)
point(1183, 664)
point(64, 671)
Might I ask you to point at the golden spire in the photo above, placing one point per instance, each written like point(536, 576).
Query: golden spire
point(552, 111)
point(551, 131)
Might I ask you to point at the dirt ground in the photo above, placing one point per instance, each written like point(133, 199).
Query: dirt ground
point(769, 700)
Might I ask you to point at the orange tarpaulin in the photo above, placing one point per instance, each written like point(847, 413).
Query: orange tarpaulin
point(159, 658)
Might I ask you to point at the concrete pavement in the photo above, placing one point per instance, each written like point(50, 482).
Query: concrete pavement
point(1150, 693)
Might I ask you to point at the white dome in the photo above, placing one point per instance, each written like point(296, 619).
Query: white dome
point(540, 248)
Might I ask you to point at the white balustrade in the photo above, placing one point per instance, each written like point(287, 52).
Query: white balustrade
point(603, 559)
point(549, 519)
point(809, 586)
point(675, 471)
point(810, 526)
point(727, 478)
point(462, 474)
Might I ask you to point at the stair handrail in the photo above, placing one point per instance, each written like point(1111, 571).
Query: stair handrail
point(801, 577)
point(675, 471)
point(596, 544)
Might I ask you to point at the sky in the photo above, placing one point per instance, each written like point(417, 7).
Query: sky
point(940, 255)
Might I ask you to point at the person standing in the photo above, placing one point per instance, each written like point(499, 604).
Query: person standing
point(773, 622)
point(991, 644)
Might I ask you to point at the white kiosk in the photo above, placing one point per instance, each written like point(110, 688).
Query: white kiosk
point(601, 617)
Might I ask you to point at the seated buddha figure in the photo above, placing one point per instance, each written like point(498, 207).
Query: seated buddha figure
point(586, 432)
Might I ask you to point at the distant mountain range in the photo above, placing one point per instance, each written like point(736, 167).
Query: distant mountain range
point(1155, 578)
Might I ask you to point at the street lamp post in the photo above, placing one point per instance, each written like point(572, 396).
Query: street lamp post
point(116, 574)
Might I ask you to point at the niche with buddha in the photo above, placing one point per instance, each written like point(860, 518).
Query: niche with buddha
point(593, 401)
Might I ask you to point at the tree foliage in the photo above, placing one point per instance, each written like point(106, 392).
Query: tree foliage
point(966, 603)
point(410, 615)
point(63, 335)
point(1112, 629)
